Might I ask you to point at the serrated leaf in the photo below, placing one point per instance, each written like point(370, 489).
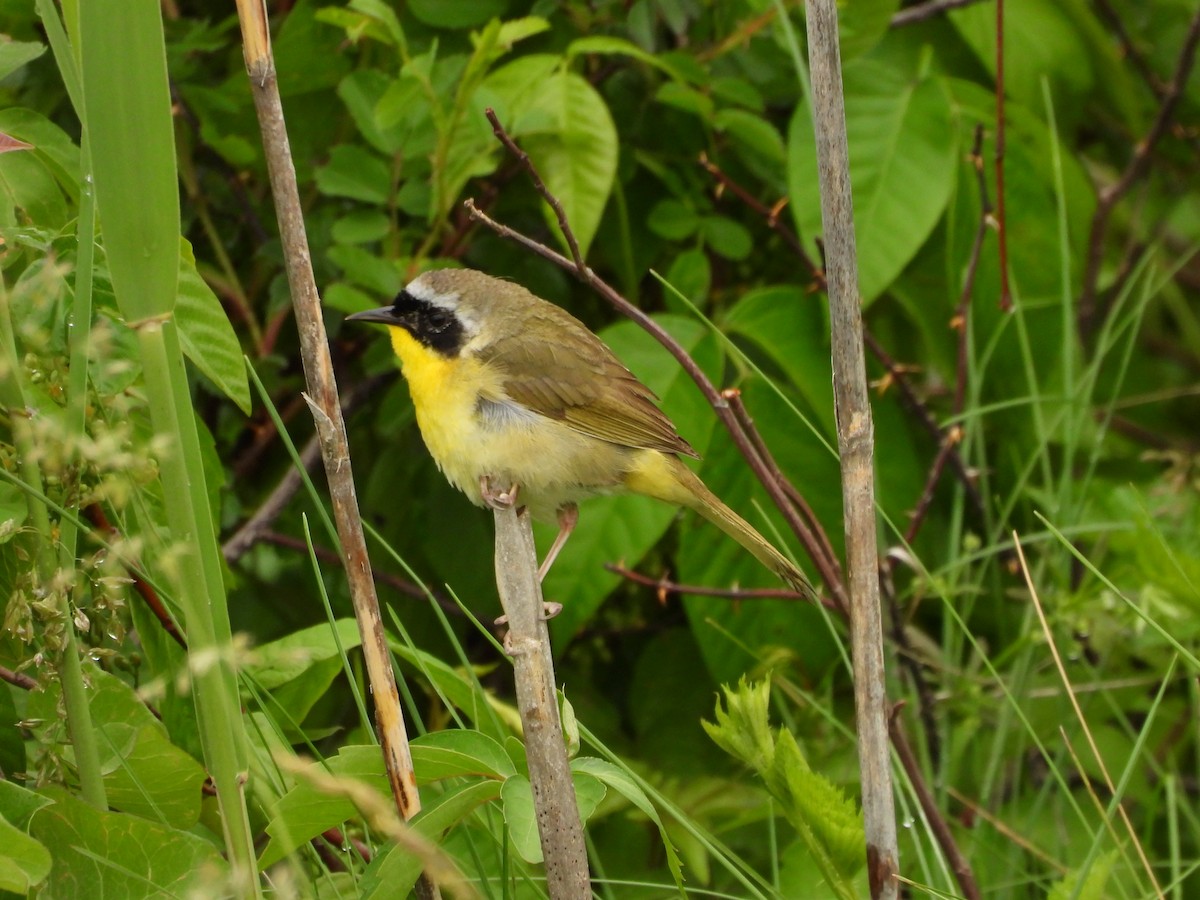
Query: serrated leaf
point(206, 334)
point(903, 153)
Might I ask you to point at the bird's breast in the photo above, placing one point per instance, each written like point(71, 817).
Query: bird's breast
point(472, 429)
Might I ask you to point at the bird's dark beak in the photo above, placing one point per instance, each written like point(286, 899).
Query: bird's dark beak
point(385, 315)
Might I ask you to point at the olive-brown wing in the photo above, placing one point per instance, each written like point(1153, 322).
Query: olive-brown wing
point(559, 369)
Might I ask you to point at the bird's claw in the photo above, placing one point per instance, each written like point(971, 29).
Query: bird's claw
point(497, 499)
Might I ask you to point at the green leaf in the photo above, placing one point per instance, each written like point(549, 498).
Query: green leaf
point(363, 226)
point(109, 854)
point(206, 334)
point(861, 24)
point(357, 173)
point(51, 145)
point(903, 153)
point(439, 14)
point(672, 220)
point(145, 774)
point(13, 510)
point(304, 811)
point(608, 45)
point(127, 106)
point(393, 872)
point(28, 186)
point(289, 657)
point(24, 862)
point(520, 818)
point(589, 793)
point(621, 782)
point(751, 133)
point(564, 125)
point(459, 752)
point(727, 238)
point(15, 54)
point(1086, 884)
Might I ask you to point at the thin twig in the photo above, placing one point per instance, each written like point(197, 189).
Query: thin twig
point(770, 215)
point(17, 679)
point(941, 830)
point(663, 586)
point(1091, 308)
point(559, 213)
point(1130, 51)
point(928, 10)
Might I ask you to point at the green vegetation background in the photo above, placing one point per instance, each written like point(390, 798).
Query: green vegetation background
point(1074, 417)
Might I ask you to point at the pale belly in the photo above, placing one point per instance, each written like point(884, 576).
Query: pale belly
point(550, 463)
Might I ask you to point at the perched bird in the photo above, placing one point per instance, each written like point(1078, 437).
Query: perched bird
point(513, 392)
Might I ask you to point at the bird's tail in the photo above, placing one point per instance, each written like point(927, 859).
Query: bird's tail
point(685, 488)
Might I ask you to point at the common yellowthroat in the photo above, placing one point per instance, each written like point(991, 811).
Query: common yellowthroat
point(511, 390)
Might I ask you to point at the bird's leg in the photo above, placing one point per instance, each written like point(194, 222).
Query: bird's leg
point(497, 499)
point(568, 515)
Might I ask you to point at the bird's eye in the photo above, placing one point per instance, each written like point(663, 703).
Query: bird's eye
point(439, 320)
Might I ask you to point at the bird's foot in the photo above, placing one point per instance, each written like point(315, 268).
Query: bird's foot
point(498, 498)
point(550, 609)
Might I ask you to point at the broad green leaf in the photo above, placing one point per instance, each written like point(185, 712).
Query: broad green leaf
point(1040, 43)
point(726, 237)
point(29, 192)
point(13, 510)
point(354, 172)
point(520, 818)
point(903, 153)
point(861, 24)
point(1086, 884)
point(24, 861)
point(609, 45)
point(564, 125)
point(623, 529)
point(589, 793)
point(128, 110)
point(50, 144)
point(672, 219)
point(751, 133)
point(207, 336)
point(289, 657)
point(362, 226)
point(458, 753)
point(393, 872)
point(17, 804)
point(110, 854)
point(304, 811)
point(144, 772)
point(440, 14)
point(14, 54)
point(489, 714)
point(620, 781)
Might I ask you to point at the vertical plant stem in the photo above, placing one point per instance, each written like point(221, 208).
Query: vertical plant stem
point(856, 446)
point(205, 613)
point(79, 716)
point(323, 402)
point(528, 643)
